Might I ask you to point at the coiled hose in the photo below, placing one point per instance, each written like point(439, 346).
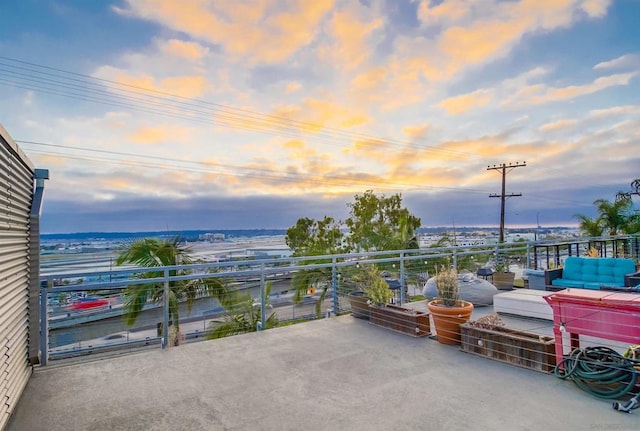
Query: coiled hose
point(600, 371)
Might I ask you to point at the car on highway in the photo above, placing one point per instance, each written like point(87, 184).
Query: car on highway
point(89, 303)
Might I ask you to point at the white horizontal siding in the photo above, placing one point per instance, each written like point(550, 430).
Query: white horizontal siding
point(16, 191)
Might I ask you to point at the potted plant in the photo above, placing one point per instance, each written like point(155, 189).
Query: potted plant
point(359, 299)
point(448, 311)
point(503, 278)
point(488, 337)
point(382, 313)
point(376, 288)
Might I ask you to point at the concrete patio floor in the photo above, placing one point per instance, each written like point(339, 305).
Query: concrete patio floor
point(332, 374)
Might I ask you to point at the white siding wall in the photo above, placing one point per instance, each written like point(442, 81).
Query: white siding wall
point(16, 191)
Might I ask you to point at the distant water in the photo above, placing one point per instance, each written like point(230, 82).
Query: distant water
point(186, 235)
point(193, 235)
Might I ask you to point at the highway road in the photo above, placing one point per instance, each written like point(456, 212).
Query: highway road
point(193, 327)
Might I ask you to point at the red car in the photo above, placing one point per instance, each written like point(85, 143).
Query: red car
point(89, 303)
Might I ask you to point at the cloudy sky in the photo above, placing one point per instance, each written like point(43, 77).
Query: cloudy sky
point(222, 114)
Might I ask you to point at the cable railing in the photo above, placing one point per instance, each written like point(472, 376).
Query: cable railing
point(83, 317)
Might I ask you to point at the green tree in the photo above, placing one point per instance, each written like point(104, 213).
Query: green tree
point(243, 315)
point(318, 279)
point(150, 253)
point(590, 226)
point(614, 215)
point(632, 224)
point(632, 221)
point(380, 223)
point(311, 237)
point(376, 223)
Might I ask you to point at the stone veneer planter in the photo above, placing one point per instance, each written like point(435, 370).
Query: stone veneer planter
point(520, 348)
point(405, 320)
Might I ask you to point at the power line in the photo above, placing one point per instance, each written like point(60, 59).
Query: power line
point(62, 83)
point(233, 117)
point(73, 85)
point(205, 167)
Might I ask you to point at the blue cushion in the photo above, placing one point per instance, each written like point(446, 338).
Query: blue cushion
point(591, 273)
point(563, 282)
point(591, 270)
point(572, 268)
point(624, 267)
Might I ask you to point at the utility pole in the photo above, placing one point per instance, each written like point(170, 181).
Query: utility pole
point(503, 196)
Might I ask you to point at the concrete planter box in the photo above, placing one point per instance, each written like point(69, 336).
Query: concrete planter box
point(520, 348)
point(411, 322)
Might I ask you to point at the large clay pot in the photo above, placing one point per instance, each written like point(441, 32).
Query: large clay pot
point(447, 320)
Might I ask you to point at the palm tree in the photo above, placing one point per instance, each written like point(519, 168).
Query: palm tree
point(613, 214)
point(303, 280)
point(613, 217)
point(243, 315)
point(150, 253)
point(589, 226)
point(633, 224)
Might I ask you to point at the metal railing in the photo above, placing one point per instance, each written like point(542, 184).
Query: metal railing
point(408, 268)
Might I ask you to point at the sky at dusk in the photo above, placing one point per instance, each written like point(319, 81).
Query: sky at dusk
point(169, 115)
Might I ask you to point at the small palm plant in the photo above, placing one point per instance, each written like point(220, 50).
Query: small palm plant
point(447, 286)
point(303, 281)
point(243, 315)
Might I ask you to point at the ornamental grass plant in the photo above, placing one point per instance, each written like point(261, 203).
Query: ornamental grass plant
point(447, 286)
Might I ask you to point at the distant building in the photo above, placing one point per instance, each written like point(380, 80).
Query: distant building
point(212, 237)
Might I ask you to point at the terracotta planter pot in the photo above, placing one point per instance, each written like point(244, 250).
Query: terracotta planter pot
point(447, 320)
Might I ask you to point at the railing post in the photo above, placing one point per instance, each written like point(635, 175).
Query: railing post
point(262, 298)
point(334, 284)
point(165, 319)
point(44, 324)
point(402, 299)
point(455, 258)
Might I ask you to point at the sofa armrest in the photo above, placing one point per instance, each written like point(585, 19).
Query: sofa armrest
point(552, 274)
point(632, 280)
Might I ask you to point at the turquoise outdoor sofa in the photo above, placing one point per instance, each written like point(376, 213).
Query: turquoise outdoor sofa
point(593, 273)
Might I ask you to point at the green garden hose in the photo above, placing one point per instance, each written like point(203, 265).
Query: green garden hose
point(600, 371)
